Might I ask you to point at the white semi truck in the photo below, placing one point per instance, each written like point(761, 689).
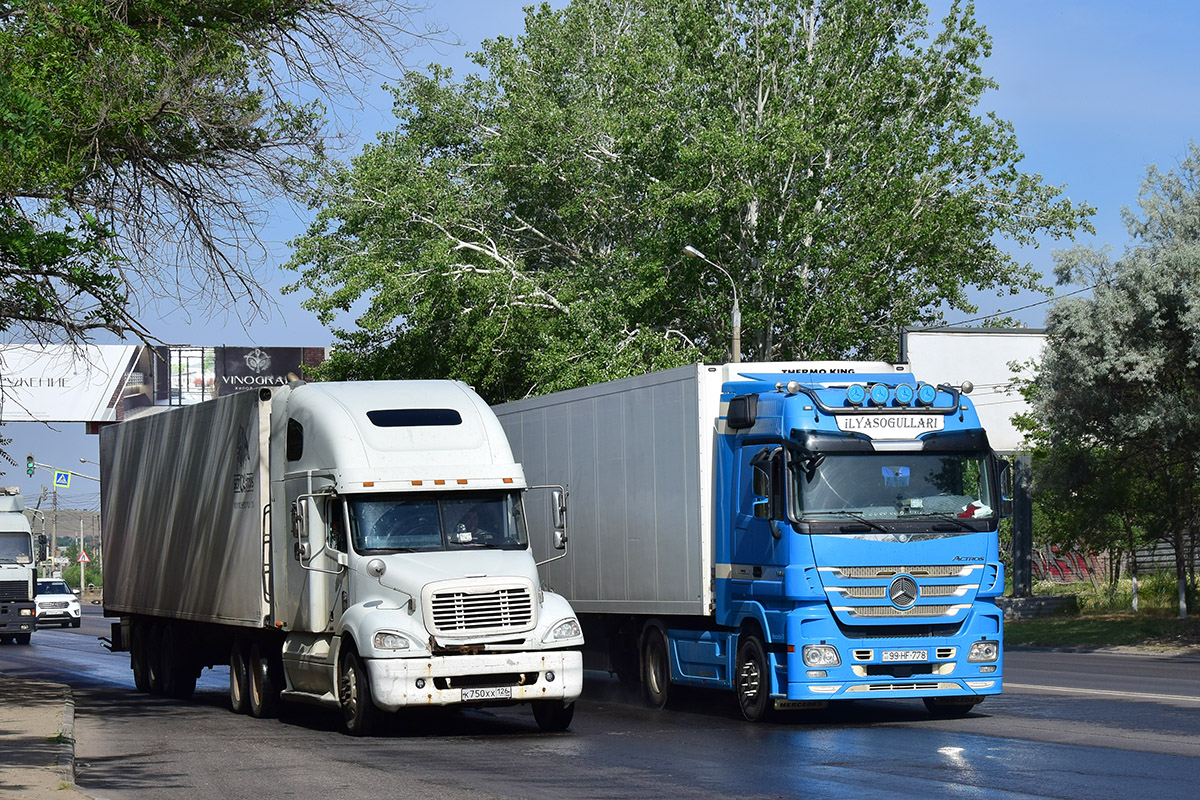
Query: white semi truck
point(357, 545)
point(18, 581)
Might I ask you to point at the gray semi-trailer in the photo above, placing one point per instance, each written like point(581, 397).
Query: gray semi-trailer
point(356, 545)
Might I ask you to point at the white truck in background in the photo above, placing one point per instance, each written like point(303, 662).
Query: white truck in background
point(18, 580)
point(356, 545)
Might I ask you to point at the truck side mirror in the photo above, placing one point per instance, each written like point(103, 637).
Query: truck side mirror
point(559, 501)
point(742, 412)
point(300, 529)
point(560, 508)
point(1006, 489)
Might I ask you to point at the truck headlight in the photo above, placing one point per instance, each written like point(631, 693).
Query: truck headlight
point(563, 630)
point(984, 651)
point(26, 612)
point(821, 655)
point(390, 640)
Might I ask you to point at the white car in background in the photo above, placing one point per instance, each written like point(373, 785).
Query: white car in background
point(56, 603)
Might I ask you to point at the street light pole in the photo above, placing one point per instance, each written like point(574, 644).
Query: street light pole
point(736, 351)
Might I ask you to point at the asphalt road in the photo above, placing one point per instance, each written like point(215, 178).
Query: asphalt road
point(1069, 725)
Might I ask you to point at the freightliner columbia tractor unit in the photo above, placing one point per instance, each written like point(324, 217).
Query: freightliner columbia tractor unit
point(796, 533)
point(357, 545)
point(18, 616)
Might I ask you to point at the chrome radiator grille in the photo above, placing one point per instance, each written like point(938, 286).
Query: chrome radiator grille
point(895, 592)
point(475, 610)
point(929, 571)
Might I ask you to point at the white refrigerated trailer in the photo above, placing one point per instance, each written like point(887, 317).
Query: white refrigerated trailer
point(357, 545)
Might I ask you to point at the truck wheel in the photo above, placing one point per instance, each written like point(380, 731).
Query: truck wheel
point(354, 694)
point(264, 694)
point(154, 658)
point(179, 673)
point(553, 715)
point(239, 678)
point(22, 638)
point(137, 658)
point(943, 709)
point(656, 668)
point(753, 679)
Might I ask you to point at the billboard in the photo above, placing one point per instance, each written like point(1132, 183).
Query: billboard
point(63, 383)
point(108, 383)
point(986, 357)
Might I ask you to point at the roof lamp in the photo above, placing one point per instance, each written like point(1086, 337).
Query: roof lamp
point(904, 394)
point(880, 394)
point(856, 393)
point(926, 394)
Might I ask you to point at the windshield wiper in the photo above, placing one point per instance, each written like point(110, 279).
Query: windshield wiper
point(854, 515)
point(961, 523)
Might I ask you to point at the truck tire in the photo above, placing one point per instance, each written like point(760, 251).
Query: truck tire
point(22, 638)
point(354, 694)
point(941, 709)
point(137, 657)
point(656, 667)
point(239, 678)
point(264, 692)
point(553, 715)
point(753, 679)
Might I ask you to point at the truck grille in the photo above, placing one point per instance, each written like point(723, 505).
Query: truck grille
point(14, 591)
point(468, 609)
point(929, 571)
point(890, 612)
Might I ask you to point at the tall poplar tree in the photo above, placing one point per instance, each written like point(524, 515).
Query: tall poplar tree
point(525, 229)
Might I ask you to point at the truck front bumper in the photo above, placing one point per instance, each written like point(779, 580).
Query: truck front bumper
point(486, 679)
point(12, 620)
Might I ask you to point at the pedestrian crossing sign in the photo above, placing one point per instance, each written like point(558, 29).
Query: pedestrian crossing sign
point(62, 480)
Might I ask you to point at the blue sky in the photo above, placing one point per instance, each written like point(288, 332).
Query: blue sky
point(1096, 90)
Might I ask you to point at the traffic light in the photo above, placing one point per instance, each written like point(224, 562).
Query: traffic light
point(30, 467)
point(42, 549)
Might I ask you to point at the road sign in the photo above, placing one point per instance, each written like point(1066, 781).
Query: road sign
point(62, 480)
point(83, 557)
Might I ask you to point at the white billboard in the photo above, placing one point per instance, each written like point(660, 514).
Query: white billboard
point(985, 357)
point(62, 383)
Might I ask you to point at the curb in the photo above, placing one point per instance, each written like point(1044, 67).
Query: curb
point(66, 748)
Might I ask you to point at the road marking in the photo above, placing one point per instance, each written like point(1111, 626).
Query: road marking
point(1131, 695)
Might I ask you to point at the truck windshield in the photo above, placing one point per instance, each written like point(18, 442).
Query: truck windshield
point(423, 523)
point(15, 548)
point(895, 486)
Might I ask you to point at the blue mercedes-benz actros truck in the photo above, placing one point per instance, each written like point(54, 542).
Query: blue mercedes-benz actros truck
point(796, 533)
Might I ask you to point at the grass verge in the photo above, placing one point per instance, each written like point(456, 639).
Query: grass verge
point(1105, 630)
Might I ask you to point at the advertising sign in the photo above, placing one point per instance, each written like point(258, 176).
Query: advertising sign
point(61, 383)
point(240, 368)
point(991, 359)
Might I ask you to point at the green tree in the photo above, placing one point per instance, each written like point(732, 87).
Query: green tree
point(524, 229)
point(1117, 395)
point(141, 143)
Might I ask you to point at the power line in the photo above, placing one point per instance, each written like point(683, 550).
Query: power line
point(1019, 308)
